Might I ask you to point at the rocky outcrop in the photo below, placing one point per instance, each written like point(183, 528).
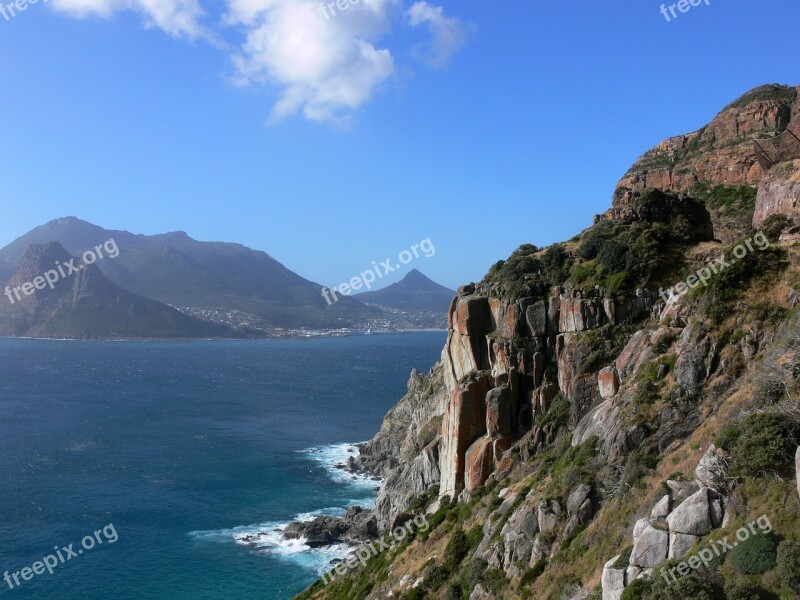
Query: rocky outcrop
point(722, 153)
point(779, 193)
point(504, 364)
point(356, 527)
point(405, 453)
point(675, 524)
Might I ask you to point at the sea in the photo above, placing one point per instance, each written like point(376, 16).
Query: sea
point(167, 470)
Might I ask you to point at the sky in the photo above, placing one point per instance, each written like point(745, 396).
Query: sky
point(331, 138)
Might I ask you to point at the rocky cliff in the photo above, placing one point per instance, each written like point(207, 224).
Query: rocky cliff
point(585, 401)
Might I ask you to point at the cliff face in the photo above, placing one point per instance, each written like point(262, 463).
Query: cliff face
point(722, 153)
point(506, 363)
point(779, 193)
point(587, 423)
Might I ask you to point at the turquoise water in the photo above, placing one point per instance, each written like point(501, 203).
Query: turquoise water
point(182, 447)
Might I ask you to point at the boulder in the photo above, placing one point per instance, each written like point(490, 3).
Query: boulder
point(580, 315)
point(577, 497)
point(661, 509)
point(612, 580)
point(680, 544)
point(681, 490)
point(608, 381)
point(692, 516)
point(480, 593)
point(548, 514)
point(651, 549)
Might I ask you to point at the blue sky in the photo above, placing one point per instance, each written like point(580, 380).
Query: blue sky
point(330, 143)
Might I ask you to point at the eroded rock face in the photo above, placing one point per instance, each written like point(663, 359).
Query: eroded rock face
point(464, 421)
point(779, 193)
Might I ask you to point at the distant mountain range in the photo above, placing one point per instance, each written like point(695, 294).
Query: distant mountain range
point(86, 305)
point(238, 290)
point(415, 293)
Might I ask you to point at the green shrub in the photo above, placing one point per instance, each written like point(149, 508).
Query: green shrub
point(472, 573)
point(728, 436)
point(788, 563)
point(624, 558)
point(532, 574)
point(775, 225)
point(558, 411)
point(474, 538)
point(763, 445)
point(755, 555)
point(689, 588)
point(743, 590)
point(456, 550)
point(639, 589)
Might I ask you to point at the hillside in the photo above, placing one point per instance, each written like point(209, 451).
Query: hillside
point(86, 305)
point(611, 405)
point(175, 269)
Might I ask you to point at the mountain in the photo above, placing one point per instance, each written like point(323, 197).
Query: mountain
point(733, 151)
point(415, 293)
point(175, 269)
point(610, 406)
point(85, 304)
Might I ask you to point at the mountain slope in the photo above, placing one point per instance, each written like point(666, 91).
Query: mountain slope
point(413, 293)
point(588, 425)
point(177, 270)
point(86, 305)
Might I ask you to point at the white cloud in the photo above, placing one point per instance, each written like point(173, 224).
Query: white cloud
point(448, 34)
point(325, 62)
point(178, 18)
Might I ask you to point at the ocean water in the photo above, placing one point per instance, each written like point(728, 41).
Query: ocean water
point(179, 450)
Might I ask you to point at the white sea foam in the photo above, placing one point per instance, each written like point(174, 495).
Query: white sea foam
point(333, 457)
point(268, 537)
